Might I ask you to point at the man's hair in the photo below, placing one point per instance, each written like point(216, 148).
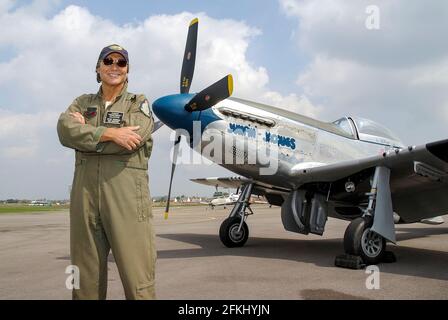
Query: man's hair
point(98, 77)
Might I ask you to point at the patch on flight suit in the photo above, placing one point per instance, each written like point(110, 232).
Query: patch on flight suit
point(90, 112)
point(144, 107)
point(114, 117)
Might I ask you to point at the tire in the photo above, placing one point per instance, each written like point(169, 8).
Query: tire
point(228, 233)
point(359, 240)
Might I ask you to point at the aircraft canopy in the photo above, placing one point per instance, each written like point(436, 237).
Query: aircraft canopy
point(368, 130)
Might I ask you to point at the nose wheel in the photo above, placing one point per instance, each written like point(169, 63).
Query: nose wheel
point(232, 233)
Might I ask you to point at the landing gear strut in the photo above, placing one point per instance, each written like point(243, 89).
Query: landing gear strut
point(234, 231)
point(365, 237)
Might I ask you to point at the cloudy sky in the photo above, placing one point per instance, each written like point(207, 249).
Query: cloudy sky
point(314, 57)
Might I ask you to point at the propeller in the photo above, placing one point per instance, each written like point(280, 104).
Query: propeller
point(173, 168)
point(185, 84)
point(204, 100)
point(209, 97)
point(187, 73)
point(157, 126)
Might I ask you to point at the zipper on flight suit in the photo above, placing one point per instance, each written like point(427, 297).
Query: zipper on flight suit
point(99, 122)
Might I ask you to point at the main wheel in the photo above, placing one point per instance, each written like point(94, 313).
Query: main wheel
point(229, 235)
point(360, 240)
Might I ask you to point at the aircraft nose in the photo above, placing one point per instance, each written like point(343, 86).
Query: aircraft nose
point(171, 110)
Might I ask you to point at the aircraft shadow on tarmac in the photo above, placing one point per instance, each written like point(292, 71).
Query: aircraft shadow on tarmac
point(410, 261)
point(322, 252)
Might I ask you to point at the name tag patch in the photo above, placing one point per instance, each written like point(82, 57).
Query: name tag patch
point(113, 117)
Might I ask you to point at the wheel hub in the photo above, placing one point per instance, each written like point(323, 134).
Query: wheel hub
point(371, 243)
point(236, 235)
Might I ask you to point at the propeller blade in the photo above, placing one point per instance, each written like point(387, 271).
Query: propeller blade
point(173, 168)
point(189, 57)
point(212, 95)
point(157, 126)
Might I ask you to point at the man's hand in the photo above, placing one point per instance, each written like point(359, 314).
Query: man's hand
point(78, 117)
point(125, 137)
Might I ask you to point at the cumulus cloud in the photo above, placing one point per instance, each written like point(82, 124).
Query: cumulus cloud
point(396, 75)
point(52, 60)
point(409, 30)
point(56, 56)
point(292, 102)
point(20, 134)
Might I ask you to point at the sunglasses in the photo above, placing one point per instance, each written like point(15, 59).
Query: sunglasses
point(120, 62)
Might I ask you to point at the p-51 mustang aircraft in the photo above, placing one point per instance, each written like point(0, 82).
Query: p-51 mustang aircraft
point(352, 169)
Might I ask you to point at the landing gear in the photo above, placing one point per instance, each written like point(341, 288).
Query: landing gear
point(234, 231)
point(230, 233)
point(365, 237)
point(360, 240)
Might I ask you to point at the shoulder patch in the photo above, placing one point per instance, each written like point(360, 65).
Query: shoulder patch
point(144, 107)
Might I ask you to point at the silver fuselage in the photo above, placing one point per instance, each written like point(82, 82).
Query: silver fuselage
point(305, 142)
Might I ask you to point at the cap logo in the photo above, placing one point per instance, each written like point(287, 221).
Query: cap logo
point(116, 47)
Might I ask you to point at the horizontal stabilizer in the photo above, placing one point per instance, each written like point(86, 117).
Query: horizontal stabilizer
point(433, 221)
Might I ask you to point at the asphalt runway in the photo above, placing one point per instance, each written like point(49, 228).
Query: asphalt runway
point(193, 264)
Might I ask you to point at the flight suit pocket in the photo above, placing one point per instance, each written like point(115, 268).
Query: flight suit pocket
point(148, 149)
point(144, 205)
point(79, 175)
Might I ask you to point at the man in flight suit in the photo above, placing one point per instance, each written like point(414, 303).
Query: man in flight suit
point(110, 204)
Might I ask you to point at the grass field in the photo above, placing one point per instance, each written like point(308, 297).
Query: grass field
point(20, 209)
point(25, 209)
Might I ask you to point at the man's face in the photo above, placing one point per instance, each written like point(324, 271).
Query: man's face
point(113, 75)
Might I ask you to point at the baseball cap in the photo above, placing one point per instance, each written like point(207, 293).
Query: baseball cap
point(114, 48)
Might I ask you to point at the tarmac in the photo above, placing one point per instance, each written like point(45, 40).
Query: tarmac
point(193, 264)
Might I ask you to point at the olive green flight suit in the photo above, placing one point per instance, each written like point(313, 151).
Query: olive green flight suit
point(110, 204)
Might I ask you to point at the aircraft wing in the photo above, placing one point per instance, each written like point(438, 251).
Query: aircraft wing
point(418, 181)
point(229, 182)
point(433, 155)
point(236, 182)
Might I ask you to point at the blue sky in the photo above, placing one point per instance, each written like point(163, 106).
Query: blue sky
point(314, 57)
